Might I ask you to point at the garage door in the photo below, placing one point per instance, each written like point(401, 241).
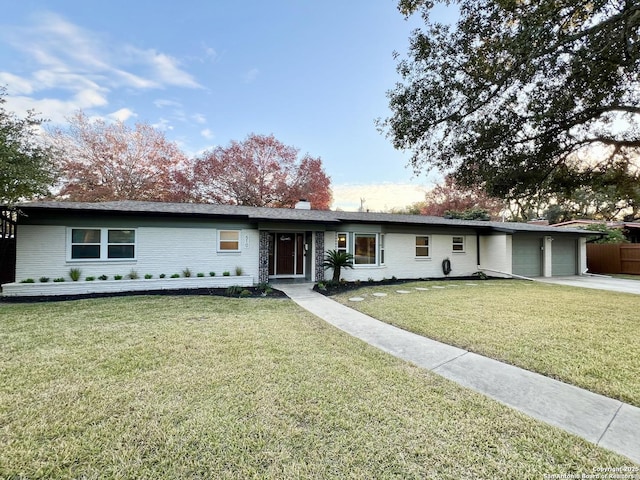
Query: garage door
point(526, 256)
point(564, 256)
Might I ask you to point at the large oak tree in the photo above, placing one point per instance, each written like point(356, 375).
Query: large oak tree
point(261, 171)
point(528, 99)
point(103, 161)
point(26, 164)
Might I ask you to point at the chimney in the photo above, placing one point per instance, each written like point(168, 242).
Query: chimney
point(303, 204)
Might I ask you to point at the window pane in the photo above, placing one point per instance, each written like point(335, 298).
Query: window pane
point(229, 235)
point(121, 251)
point(422, 241)
point(122, 236)
point(422, 251)
point(365, 250)
point(85, 251)
point(229, 246)
point(82, 235)
point(342, 241)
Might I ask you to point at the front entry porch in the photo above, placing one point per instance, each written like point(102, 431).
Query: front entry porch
point(289, 254)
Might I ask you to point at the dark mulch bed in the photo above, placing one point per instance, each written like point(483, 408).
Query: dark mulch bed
point(219, 292)
point(336, 288)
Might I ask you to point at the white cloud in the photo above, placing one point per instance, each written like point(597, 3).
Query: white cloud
point(16, 85)
point(251, 75)
point(377, 197)
point(122, 115)
point(207, 133)
point(199, 118)
point(80, 68)
point(164, 68)
point(162, 103)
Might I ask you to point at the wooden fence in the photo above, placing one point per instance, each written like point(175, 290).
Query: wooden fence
point(614, 258)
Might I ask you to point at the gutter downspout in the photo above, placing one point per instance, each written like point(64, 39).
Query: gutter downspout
point(512, 275)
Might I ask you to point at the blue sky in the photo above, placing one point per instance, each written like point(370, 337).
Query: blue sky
point(313, 73)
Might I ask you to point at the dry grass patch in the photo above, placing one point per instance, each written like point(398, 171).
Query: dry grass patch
point(201, 387)
point(584, 337)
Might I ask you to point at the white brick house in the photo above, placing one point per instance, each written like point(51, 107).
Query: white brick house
point(150, 238)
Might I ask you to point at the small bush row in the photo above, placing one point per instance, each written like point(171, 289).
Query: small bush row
point(75, 275)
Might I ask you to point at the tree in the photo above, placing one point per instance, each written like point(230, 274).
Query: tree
point(453, 200)
point(26, 164)
point(262, 172)
point(613, 235)
point(524, 98)
point(337, 261)
point(103, 161)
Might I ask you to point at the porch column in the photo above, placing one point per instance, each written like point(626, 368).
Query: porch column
point(263, 258)
point(319, 255)
point(547, 256)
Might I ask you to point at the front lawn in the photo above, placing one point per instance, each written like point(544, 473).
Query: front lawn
point(209, 387)
point(585, 337)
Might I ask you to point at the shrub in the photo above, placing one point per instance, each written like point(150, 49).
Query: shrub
point(245, 293)
point(75, 273)
point(117, 277)
point(186, 273)
point(133, 275)
point(238, 271)
point(44, 279)
point(90, 279)
point(212, 274)
point(58, 280)
point(233, 290)
point(28, 280)
point(322, 286)
point(225, 274)
point(265, 288)
point(148, 276)
point(200, 274)
point(103, 277)
point(175, 275)
point(162, 275)
point(337, 260)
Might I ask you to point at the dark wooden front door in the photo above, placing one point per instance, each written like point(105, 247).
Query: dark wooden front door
point(285, 254)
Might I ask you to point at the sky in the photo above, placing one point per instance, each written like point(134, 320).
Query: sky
point(312, 73)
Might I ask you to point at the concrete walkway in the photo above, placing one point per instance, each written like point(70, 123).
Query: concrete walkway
point(598, 419)
point(596, 282)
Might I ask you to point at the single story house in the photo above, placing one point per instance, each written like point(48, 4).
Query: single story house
point(223, 245)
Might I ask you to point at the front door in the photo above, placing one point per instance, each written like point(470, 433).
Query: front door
point(286, 254)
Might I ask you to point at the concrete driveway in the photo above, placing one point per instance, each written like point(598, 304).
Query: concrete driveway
point(598, 283)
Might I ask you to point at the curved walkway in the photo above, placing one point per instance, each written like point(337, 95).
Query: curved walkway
point(596, 418)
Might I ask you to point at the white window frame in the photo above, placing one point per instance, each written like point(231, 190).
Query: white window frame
point(346, 243)
point(460, 243)
point(376, 249)
point(220, 240)
point(104, 245)
point(427, 246)
point(381, 249)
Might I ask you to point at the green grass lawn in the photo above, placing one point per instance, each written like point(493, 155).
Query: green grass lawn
point(585, 337)
point(210, 387)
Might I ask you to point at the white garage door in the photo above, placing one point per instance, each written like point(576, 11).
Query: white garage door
point(564, 256)
point(526, 256)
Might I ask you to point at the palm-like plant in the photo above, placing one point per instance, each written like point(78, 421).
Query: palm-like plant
point(337, 261)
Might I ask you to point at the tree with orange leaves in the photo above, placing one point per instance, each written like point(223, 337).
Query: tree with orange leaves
point(110, 161)
point(261, 171)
